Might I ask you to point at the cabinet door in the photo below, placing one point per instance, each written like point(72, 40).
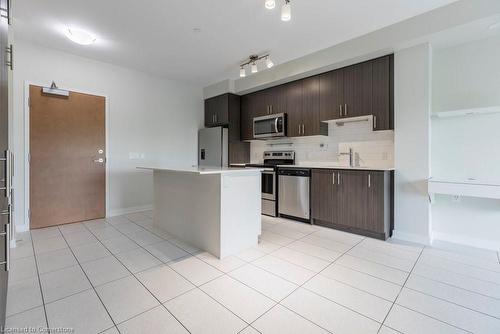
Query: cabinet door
point(331, 95)
point(375, 212)
point(358, 90)
point(275, 100)
point(310, 106)
point(381, 93)
point(246, 118)
point(322, 199)
point(353, 199)
point(293, 92)
point(217, 111)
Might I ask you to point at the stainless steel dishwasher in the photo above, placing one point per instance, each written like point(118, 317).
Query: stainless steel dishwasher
point(293, 193)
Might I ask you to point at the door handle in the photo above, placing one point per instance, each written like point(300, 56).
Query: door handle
point(10, 52)
point(345, 110)
point(340, 110)
point(374, 122)
point(100, 160)
point(369, 180)
point(333, 178)
point(338, 179)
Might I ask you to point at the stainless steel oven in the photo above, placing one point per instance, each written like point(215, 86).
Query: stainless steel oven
point(270, 191)
point(270, 126)
point(269, 184)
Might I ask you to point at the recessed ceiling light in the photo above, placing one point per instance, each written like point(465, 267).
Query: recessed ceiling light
point(79, 36)
point(494, 26)
point(196, 30)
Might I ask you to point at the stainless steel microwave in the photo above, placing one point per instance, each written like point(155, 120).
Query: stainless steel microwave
point(269, 126)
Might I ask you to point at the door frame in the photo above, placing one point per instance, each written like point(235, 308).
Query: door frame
point(27, 84)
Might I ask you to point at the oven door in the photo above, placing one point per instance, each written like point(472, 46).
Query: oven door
point(269, 126)
point(269, 185)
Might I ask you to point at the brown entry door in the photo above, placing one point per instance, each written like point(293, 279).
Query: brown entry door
point(67, 158)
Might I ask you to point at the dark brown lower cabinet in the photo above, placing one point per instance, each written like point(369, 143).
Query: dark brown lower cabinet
point(352, 200)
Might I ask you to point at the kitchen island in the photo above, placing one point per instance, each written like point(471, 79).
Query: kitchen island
point(214, 209)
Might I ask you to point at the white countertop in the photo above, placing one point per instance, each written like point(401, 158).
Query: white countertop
point(201, 170)
point(320, 165)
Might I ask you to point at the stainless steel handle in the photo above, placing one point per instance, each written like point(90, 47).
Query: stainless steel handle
point(276, 125)
point(338, 178)
point(333, 178)
point(374, 122)
point(7, 238)
point(100, 160)
point(10, 62)
point(303, 129)
point(8, 12)
point(299, 129)
point(215, 118)
point(369, 180)
point(340, 110)
point(345, 110)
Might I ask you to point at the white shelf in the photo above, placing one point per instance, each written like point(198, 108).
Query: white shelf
point(466, 112)
point(466, 187)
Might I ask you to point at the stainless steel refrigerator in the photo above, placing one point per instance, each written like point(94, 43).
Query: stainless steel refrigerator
point(213, 147)
point(6, 161)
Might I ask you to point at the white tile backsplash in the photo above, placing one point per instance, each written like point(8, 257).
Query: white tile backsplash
point(372, 148)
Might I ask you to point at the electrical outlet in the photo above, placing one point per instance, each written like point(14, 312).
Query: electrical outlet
point(457, 198)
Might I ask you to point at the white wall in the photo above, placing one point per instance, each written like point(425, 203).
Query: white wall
point(412, 105)
point(378, 43)
point(467, 76)
point(149, 115)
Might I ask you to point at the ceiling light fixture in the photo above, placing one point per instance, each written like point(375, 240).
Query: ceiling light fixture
point(254, 68)
point(286, 11)
point(270, 4)
point(79, 36)
point(253, 62)
point(269, 62)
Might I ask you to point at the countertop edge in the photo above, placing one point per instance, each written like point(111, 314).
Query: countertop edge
point(388, 169)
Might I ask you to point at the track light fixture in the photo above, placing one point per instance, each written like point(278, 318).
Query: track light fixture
point(253, 62)
point(286, 10)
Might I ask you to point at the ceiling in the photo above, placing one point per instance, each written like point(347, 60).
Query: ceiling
point(158, 38)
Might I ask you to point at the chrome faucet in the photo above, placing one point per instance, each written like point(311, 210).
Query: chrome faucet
point(351, 157)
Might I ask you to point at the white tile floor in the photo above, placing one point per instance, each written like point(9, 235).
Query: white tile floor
point(124, 275)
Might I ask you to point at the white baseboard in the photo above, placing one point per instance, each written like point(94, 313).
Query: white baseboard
point(466, 241)
point(111, 213)
point(411, 237)
point(133, 209)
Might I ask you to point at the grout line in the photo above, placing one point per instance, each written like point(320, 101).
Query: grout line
point(464, 275)
point(138, 280)
point(452, 302)
point(40, 282)
point(401, 289)
point(298, 287)
point(368, 274)
point(90, 282)
point(429, 316)
point(443, 258)
point(456, 286)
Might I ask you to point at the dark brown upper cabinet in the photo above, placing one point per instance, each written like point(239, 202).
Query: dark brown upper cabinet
point(383, 90)
point(359, 90)
point(331, 94)
point(302, 108)
point(217, 110)
point(354, 201)
point(225, 110)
